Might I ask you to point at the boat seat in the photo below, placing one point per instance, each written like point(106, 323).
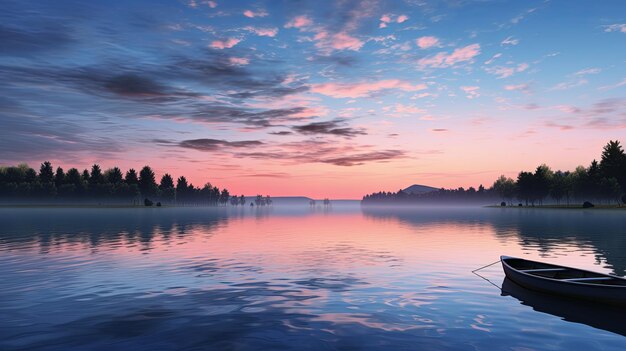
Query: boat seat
point(542, 270)
point(590, 279)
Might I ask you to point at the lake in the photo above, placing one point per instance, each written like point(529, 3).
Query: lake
point(342, 278)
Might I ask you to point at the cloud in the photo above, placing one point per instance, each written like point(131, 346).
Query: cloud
point(30, 134)
point(345, 60)
point(212, 4)
point(570, 84)
point(356, 90)
point(36, 39)
point(322, 151)
point(443, 59)
point(505, 72)
point(337, 41)
point(299, 22)
point(558, 126)
point(408, 109)
point(252, 14)
point(215, 144)
point(389, 18)
point(509, 41)
point(359, 159)
point(525, 88)
point(439, 130)
point(282, 132)
point(334, 127)
point(241, 61)
point(471, 92)
point(225, 43)
point(133, 85)
point(613, 86)
point(427, 42)
point(618, 27)
point(493, 58)
point(262, 32)
point(587, 71)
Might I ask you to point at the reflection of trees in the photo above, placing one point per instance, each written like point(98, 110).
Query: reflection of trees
point(95, 227)
point(605, 230)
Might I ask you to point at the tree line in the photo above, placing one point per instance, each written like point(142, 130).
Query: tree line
point(23, 183)
point(601, 182)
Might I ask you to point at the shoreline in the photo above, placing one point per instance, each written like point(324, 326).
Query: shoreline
point(564, 207)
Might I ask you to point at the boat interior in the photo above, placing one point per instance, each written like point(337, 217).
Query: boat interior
point(566, 274)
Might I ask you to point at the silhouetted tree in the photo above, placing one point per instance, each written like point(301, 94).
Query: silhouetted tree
point(505, 187)
point(147, 182)
point(59, 177)
point(131, 177)
point(613, 162)
point(46, 173)
point(166, 186)
point(182, 187)
point(224, 196)
point(23, 182)
point(541, 183)
point(525, 187)
point(114, 176)
point(85, 176)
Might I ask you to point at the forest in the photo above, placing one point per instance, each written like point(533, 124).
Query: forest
point(602, 182)
point(23, 184)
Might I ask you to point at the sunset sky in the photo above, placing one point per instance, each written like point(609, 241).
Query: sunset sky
point(315, 98)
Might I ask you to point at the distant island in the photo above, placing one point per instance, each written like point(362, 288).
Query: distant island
point(601, 182)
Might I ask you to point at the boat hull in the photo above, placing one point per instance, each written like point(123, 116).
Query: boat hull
point(597, 293)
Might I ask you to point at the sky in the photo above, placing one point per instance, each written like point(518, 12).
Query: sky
point(316, 98)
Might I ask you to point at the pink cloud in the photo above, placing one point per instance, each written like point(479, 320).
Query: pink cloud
point(443, 59)
point(427, 42)
point(471, 92)
point(225, 43)
point(505, 72)
point(356, 90)
point(299, 22)
point(388, 18)
point(263, 32)
point(252, 14)
point(212, 4)
point(525, 88)
point(339, 41)
point(408, 109)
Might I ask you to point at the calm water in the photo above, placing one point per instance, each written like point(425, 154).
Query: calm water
point(343, 279)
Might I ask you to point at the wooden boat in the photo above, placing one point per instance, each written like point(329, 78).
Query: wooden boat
point(572, 282)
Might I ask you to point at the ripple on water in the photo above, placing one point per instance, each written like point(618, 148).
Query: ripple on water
point(194, 279)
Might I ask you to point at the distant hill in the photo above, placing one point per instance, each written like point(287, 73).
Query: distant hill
point(419, 189)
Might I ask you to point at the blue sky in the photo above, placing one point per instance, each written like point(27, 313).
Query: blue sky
point(268, 95)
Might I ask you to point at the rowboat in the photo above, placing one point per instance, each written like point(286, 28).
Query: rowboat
point(567, 281)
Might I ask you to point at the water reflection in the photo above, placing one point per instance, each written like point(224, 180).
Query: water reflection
point(294, 278)
point(597, 315)
point(93, 227)
point(552, 233)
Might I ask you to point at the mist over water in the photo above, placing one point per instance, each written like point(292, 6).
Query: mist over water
point(295, 277)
